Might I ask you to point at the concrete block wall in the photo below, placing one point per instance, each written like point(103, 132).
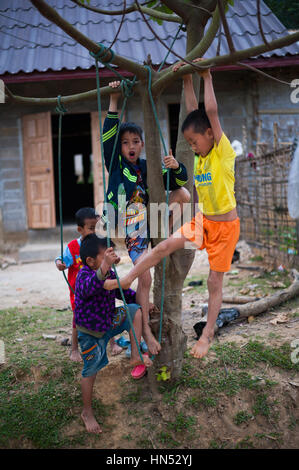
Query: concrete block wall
point(12, 191)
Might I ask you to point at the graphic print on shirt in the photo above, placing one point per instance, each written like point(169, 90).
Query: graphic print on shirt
point(78, 262)
point(203, 179)
point(136, 210)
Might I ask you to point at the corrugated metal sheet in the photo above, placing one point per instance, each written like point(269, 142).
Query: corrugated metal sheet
point(29, 42)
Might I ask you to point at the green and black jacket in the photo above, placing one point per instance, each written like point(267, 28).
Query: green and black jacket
point(123, 173)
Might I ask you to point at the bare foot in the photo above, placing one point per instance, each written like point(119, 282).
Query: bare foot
point(75, 356)
point(153, 345)
point(201, 347)
point(115, 349)
point(90, 422)
point(137, 361)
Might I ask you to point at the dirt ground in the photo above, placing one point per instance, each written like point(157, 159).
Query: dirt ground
point(40, 284)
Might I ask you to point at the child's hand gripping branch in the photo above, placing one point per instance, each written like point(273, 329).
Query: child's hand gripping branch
point(114, 97)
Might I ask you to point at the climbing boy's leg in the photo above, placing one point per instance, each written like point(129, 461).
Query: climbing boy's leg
point(142, 298)
point(75, 353)
point(156, 255)
point(135, 357)
point(177, 199)
point(215, 282)
point(87, 415)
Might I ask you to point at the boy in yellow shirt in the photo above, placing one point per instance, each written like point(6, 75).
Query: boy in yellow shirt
point(216, 226)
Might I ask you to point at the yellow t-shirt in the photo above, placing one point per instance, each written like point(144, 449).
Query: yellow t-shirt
point(215, 177)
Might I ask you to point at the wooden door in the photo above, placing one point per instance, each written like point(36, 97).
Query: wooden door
point(38, 163)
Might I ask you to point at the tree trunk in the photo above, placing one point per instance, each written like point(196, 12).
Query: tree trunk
point(174, 340)
point(177, 265)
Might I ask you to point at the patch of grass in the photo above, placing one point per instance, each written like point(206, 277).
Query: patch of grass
point(214, 380)
point(262, 406)
point(199, 289)
point(127, 437)
point(167, 440)
point(144, 444)
point(39, 387)
point(245, 443)
point(217, 444)
point(242, 417)
point(38, 414)
point(257, 258)
point(182, 423)
point(254, 352)
point(133, 396)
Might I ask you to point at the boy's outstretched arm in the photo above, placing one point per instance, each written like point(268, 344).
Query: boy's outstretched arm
point(110, 127)
point(114, 97)
point(211, 106)
point(189, 93)
point(190, 97)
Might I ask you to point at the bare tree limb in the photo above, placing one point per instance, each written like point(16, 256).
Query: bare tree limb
point(259, 19)
point(208, 38)
point(227, 59)
point(66, 100)
point(179, 7)
point(51, 14)
point(148, 11)
point(225, 27)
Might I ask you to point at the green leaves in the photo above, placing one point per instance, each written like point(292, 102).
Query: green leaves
point(155, 5)
point(230, 2)
point(164, 374)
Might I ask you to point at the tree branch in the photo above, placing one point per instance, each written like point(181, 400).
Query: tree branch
point(258, 7)
point(227, 59)
point(225, 27)
point(208, 38)
point(148, 11)
point(179, 7)
point(66, 100)
point(51, 14)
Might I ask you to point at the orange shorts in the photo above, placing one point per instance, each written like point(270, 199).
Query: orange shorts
point(218, 238)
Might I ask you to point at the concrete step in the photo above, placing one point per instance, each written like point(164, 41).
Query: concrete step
point(36, 252)
point(52, 235)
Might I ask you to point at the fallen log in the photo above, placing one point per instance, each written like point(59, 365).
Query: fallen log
point(239, 300)
point(264, 304)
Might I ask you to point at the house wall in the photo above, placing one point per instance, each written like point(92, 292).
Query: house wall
point(12, 199)
point(241, 96)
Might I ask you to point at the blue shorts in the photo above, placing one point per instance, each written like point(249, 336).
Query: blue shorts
point(136, 246)
point(93, 350)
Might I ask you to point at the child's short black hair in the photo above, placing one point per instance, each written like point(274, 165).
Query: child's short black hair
point(130, 127)
point(198, 119)
point(91, 245)
point(83, 214)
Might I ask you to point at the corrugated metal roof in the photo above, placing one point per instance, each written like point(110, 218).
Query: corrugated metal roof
point(29, 42)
